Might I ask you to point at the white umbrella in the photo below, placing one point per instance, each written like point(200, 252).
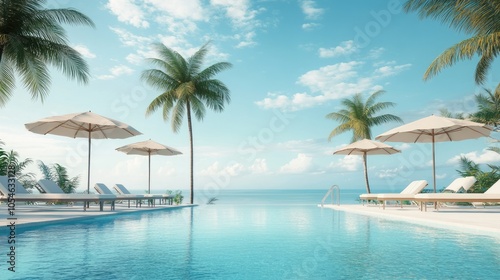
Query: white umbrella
point(148, 148)
point(366, 147)
point(83, 125)
point(436, 129)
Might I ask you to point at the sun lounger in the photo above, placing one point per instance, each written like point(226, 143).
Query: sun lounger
point(408, 193)
point(490, 195)
point(103, 189)
point(23, 195)
point(122, 190)
point(412, 189)
point(460, 185)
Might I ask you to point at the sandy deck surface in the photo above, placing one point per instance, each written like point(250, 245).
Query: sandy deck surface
point(475, 220)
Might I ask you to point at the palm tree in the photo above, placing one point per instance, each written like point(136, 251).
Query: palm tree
point(59, 174)
point(479, 18)
point(359, 117)
point(489, 108)
point(185, 87)
point(31, 38)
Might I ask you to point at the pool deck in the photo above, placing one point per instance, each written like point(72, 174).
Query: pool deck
point(483, 220)
point(49, 214)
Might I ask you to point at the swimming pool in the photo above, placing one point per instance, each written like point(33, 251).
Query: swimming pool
point(251, 241)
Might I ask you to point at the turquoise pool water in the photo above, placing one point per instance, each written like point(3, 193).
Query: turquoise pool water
point(252, 239)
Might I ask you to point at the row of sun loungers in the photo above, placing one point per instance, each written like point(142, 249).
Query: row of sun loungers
point(51, 192)
point(455, 192)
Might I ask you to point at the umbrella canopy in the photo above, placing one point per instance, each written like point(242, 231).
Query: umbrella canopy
point(83, 125)
point(436, 129)
point(366, 147)
point(148, 148)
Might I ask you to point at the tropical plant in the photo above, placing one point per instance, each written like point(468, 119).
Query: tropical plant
point(178, 197)
point(185, 88)
point(11, 159)
point(488, 108)
point(478, 18)
point(3, 159)
point(359, 116)
point(447, 114)
point(32, 38)
point(59, 174)
point(484, 179)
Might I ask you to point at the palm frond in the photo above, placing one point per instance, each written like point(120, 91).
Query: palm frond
point(195, 62)
point(67, 16)
point(7, 82)
point(46, 170)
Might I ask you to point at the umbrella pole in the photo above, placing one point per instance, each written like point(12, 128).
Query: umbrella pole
point(366, 173)
point(433, 162)
point(149, 172)
point(88, 170)
point(149, 176)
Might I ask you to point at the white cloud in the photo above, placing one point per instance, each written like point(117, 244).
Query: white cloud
point(180, 9)
point(134, 58)
point(310, 10)
point(328, 83)
point(129, 39)
point(84, 51)
point(310, 26)
point(116, 71)
point(389, 173)
point(237, 10)
point(347, 163)
point(483, 157)
point(232, 169)
point(332, 82)
point(127, 11)
point(259, 166)
point(246, 40)
point(403, 146)
point(302, 163)
point(179, 27)
point(375, 53)
point(345, 48)
point(166, 171)
point(388, 70)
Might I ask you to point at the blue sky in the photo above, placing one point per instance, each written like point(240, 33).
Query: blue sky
point(293, 61)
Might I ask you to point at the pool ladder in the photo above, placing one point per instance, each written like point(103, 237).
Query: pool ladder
point(331, 192)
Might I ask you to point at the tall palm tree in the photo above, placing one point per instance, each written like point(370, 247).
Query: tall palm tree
point(32, 38)
point(359, 117)
point(488, 108)
point(185, 87)
point(479, 18)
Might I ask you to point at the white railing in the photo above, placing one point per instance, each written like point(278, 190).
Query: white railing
point(330, 192)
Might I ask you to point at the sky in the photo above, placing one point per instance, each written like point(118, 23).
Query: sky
point(293, 63)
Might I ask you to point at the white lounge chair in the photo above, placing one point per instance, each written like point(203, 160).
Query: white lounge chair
point(410, 189)
point(408, 193)
point(460, 185)
point(122, 190)
point(22, 195)
point(489, 196)
point(103, 189)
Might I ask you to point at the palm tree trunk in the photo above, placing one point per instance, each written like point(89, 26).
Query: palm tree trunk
point(190, 128)
point(366, 174)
